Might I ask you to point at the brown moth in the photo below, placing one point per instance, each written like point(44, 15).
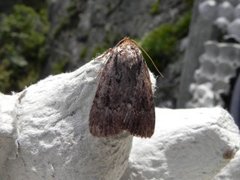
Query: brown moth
point(124, 96)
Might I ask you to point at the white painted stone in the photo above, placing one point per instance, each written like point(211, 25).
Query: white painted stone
point(231, 171)
point(190, 144)
point(208, 9)
point(44, 135)
point(237, 11)
point(226, 10)
point(233, 28)
point(7, 116)
point(202, 96)
point(52, 135)
point(222, 23)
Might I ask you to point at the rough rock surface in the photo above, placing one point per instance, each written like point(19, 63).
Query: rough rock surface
point(52, 135)
point(7, 118)
point(187, 144)
point(80, 28)
point(203, 96)
point(221, 23)
point(45, 135)
point(218, 66)
point(231, 171)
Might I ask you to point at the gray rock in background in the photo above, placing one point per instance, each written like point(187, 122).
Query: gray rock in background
point(80, 28)
point(198, 35)
point(217, 18)
point(7, 130)
point(49, 123)
point(231, 171)
point(44, 132)
point(226, 9)
point(199, 145)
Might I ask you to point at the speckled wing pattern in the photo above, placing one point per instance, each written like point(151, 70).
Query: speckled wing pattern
point(124, 96)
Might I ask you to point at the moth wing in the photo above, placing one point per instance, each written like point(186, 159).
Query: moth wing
point(103, 120)
point(140, 117)
point(124, 98)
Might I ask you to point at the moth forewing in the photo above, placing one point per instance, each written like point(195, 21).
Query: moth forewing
point(124, 96)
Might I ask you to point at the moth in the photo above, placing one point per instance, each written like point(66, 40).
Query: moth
point(124, 96)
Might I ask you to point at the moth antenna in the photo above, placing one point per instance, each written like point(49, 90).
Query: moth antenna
point(142, 49)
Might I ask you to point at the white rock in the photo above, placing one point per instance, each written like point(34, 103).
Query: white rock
point(191, 144)
point(208, 9)
point(44, 135)
point(231, 171)
point(52, 135)
point(233, 28)
point(202, 96)
point(222, 23)
point(237, 11)
point(226, 10)
point(7, 117)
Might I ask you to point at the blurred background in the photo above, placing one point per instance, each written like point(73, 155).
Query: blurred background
point(194, 43)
